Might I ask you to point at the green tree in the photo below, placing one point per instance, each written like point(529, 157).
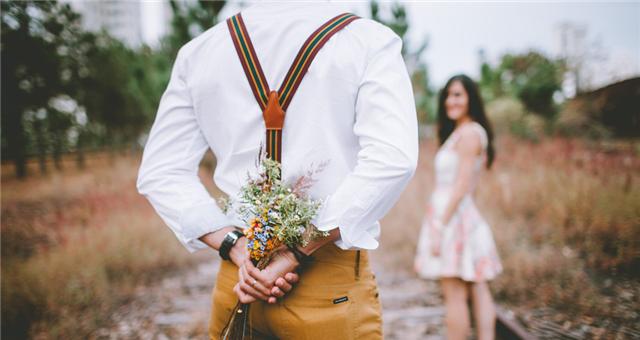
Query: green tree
point(490, 82)
point(189, 20)
point(534, 78)
point(30, 66)
point(531, 77)
point(424, 94)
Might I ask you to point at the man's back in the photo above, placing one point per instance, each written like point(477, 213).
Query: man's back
point(354, 107)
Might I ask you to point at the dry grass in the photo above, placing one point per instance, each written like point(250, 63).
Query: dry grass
point(76, 244)
point(565, 215)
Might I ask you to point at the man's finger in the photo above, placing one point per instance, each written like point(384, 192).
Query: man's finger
point(283, 284)
point(277, 292)
point(257, 274)
point(253, 282)
point(242, 297)
point(292, 277)
point(247, 289)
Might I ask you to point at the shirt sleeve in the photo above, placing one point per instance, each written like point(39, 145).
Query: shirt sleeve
point(168, 174)
point(387, 132)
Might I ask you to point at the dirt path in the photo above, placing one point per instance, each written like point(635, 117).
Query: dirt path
point(178, 307)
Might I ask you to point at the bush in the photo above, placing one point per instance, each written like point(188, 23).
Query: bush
point(573, 121)
point(508, 115)
point(91, 240)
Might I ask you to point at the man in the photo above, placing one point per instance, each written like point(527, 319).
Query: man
point(353, 110)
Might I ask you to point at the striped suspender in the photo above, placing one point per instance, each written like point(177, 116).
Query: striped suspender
point(274, 104)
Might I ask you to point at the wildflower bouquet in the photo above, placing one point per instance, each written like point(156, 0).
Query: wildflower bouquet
point(277, 215)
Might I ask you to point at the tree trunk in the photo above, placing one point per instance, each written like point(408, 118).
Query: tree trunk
point(16, 141)
point(80, 160)
point(40, 145)
point(57, 151)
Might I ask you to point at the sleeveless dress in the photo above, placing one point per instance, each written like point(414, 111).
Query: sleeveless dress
point(467, 248)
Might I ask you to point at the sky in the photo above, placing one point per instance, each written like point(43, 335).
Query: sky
point(456, 31)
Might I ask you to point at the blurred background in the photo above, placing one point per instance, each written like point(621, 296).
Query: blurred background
point(85, 256)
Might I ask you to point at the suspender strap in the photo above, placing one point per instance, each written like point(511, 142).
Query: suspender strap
point(249, 60)
point(307, 53)
point(357, 266)
point(274, 104)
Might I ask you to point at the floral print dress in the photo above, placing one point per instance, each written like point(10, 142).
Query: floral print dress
point(467, 249)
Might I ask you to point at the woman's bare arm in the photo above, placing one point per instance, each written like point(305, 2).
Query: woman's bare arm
point(469, 147)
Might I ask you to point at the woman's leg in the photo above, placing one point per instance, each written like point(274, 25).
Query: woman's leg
point(484, 311)
point(455, 293)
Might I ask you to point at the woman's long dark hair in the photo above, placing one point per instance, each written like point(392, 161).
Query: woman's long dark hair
point(476, 112)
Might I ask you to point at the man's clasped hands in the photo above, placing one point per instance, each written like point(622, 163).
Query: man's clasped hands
point(273, 282)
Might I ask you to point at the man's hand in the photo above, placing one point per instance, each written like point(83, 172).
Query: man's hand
point(238, 252)
point(274, 281)
point(240, 256)
point(278, 278)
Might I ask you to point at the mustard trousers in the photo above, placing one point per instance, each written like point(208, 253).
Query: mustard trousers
point(336, 298)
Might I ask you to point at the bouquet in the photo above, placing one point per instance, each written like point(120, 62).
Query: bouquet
point(277, 215)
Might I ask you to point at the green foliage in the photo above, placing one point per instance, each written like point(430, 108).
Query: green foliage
point(111, 90)
point(398, 23)
point(188, 21)
point(531, 77)
point(31, 68)
point(118, 84)
point(425, 96)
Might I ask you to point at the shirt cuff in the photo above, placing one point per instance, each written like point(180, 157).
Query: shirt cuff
point(199, 220)
point(353, 235)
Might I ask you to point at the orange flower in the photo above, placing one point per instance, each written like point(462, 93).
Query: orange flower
point(248, 233)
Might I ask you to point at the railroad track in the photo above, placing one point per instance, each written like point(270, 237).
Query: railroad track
point(507, 327)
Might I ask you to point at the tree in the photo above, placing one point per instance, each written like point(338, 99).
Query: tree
point(490, 83)
point(189, 21)
point(531, 77)
point(65, 88)
point(534, 79)
point(418, 70)
point(580, 57)
point(30, 66)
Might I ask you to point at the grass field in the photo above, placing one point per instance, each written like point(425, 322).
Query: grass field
point(565, 214)
point(566, 218)
point(76, 244)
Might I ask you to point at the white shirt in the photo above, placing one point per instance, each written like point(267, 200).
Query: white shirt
point(354, 109)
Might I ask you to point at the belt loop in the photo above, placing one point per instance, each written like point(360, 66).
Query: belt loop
point(357, 267)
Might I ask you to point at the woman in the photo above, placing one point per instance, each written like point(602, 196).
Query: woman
point(456, 245)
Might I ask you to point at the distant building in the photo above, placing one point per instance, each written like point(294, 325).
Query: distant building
point(133, 22)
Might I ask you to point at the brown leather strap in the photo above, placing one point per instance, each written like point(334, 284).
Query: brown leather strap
point(274, 104)
point(357, 266)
